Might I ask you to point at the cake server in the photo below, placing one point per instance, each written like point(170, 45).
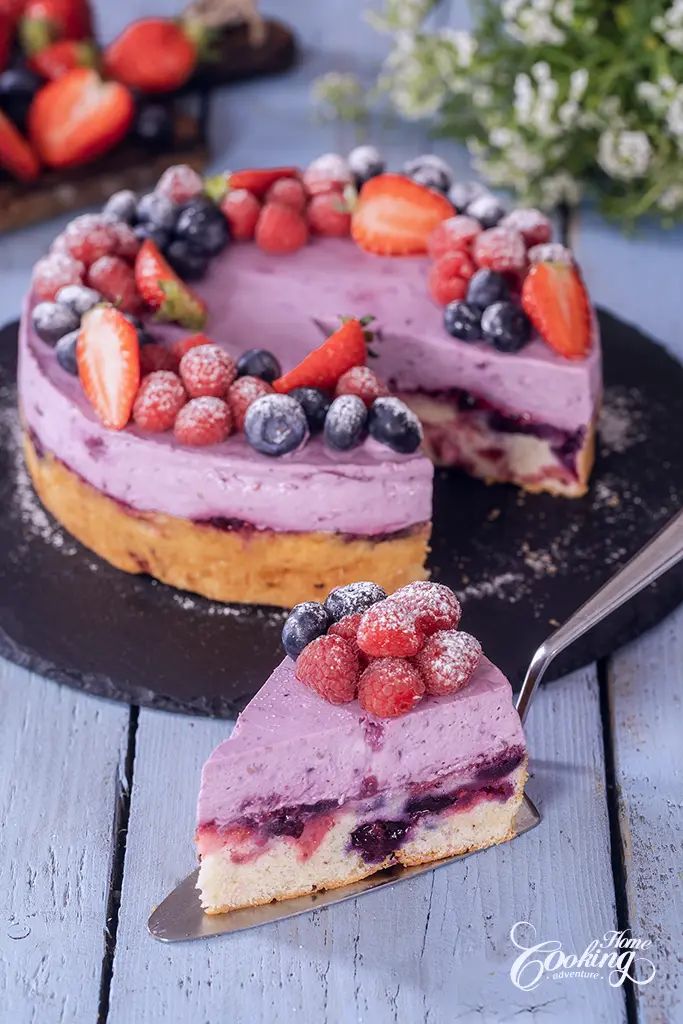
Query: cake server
point(180, 916)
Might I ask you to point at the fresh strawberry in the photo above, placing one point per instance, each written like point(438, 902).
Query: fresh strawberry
point(53, 272)
point(113, 278)
point(455, 234)
point(6, 40)
point(259, 181)
point(203, 421)
point(280, 229)
point(108, 356)
point(79, 117)
point(16, 155)
point(241, 209)
point(363, 382)
point(323, 367)
point(328, 215)
point(162, 290)
point(448, 277)
point(159, 400)
point(242, 393)
point(288, 191)
point(395, 216)
point(45, 21)
point(152, 55)
point(555, 299)
point(64, 55)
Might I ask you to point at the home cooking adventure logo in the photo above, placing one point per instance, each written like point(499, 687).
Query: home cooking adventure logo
point(616, 958)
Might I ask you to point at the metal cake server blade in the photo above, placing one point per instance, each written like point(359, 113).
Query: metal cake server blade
point(180, 916)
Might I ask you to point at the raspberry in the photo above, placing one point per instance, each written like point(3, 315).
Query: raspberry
point(207, 371)
point(54, 272)
point(448, 661)
point(500, 249)
point(432, 605)
point(329, 666)
point(288, 191)
point(448, 277)
point(328, 215)
point(126, 244)
point(390, 687)
point(113, 278)
point(280, 229)
point(329, 172)
point(347, 629)
point(534, 227)
point(361, 381)
point(159, 400)
point(453, 235)
point(155, 357)
point(388, 629)
point(179, 183)
point(89, 237)
point(179, 348)
point(241, 209)
point(203, 421)
point(242, 393)
point(551, 252)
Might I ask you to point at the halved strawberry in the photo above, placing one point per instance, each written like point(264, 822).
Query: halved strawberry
point(259, 181)
point(395, 216)
point(66, 54)
point(323, 367)
point(44, 21)
point(108, 357)
point(79, 117)
point(16, 155)
point(556, 301)
point(162, 290)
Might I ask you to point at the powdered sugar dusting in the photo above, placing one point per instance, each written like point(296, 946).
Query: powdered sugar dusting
point(448, 661)
point(621, 426)
point(501, 249)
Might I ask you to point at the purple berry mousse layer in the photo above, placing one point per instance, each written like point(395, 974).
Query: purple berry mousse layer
point(286, 303)
point(370, 491)
point(291, 748)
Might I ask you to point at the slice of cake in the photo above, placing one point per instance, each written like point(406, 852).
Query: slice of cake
point(385, 737)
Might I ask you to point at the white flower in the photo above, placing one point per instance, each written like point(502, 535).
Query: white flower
point(541, 70)
point(578, 83)
point(671, 198)
point(559, 188)
point(674, 117)
point(464, 44)
point(624, 154)
point(670, 26)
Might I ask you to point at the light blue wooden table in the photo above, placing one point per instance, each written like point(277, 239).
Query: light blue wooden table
point(97, 799)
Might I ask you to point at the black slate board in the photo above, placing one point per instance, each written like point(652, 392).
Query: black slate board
point(521, 563)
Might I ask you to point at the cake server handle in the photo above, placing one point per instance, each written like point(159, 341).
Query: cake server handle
point(660, 554)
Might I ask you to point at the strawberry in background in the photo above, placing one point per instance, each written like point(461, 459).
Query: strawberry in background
point(16, 154)
point(66, 54)
point(46, 21)
point(153, 55)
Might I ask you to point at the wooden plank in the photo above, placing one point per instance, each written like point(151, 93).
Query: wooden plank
point(646, 694)
point(61, 759)
point(434, 949)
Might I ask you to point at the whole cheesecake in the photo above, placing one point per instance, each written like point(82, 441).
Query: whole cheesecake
point(282, 458)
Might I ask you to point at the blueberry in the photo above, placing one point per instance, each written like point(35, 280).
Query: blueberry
point(462, 193)
point(258, 362)
point(159, 236)
point(305, 622)
point(346, 423)
point(52, 320)
point(122, 206)
point(354, 597)
point(78, 298)
point(487, 287)
point(365, 162)
point(315, 404)
point(18, 86)
point(203, 226)
point(65, 351)
point(430, 170)
point(463, 320)
point(506, 326)
point(392, 423)
point(486, 209)
point(187, 261)
point(154, 126)
point(275, 425)
point(157, 211)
